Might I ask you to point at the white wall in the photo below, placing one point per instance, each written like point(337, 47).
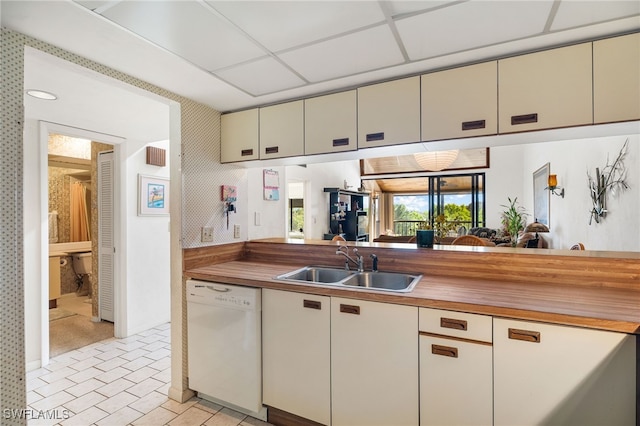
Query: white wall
point(569, 216)
point(34, 267)
point(147, 247)
point(503, 181)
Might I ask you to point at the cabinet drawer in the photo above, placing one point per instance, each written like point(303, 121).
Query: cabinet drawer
point(456, 324)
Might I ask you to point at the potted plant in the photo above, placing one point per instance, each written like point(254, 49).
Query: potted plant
point(513, 219)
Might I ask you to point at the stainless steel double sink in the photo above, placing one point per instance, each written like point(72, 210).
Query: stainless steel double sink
point(336, 277)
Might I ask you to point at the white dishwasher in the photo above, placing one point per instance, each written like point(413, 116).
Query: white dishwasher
point(224, 324)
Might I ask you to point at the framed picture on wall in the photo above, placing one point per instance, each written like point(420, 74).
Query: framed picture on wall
point(541, 195)
point(153, 196)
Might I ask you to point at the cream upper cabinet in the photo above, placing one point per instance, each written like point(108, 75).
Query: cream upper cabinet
point(550, 374)
point(616, 79)
point(282, 130)
point(460, 102)
point(296, 354)
point(456, 368)
point(239, 136)
point(389, 113)
point(330, 123)
point(374, 363)
point(545, 90)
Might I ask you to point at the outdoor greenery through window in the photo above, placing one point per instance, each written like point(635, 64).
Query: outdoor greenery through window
point(447, 204)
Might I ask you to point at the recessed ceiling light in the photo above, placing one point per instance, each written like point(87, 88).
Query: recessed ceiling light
point(40, 94)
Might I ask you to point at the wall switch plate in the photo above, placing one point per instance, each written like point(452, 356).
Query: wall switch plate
point(236, 231)
point(207, 234)
point(256, 219)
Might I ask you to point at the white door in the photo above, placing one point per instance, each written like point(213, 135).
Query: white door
point(105, 236)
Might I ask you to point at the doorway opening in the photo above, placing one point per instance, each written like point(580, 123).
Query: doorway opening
point(73, 235)
point(295, 210)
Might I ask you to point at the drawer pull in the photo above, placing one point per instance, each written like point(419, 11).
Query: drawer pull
point(524, 119)
point(371, 137)
point(350, 309)
point(312, 304)
point(524, 335)
point(473, 125)
point(444, 351)
point(246, 152)
point(455, 324)
point(341, 142)
point(271, 150)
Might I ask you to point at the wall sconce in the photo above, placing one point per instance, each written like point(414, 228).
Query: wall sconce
point(553, 186)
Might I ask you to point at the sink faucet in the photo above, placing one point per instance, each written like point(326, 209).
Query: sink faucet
point(374, 266)
point(359, 262)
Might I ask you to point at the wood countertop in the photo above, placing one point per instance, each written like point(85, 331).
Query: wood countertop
point(596, 307)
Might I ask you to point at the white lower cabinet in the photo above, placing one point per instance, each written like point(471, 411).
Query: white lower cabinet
point(374, 363)
point(456, 373)
point(558, 375)
point(296, 354)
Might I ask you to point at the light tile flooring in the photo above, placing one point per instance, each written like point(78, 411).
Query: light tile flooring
point(119, 382)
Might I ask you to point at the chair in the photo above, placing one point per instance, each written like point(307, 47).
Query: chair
point(470, 240)
point(578, 246)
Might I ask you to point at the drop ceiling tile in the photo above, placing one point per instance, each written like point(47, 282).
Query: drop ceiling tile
point(471, 25)
point(351, 54)
point(261, 77)
point(280, 25)
point(188, 29)
point(411, 6)
point(573, 14)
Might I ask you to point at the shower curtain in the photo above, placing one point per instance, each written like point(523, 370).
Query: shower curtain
point(79, 216)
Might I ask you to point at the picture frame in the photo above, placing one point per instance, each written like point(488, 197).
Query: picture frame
point(541, 196)
point(153, 196)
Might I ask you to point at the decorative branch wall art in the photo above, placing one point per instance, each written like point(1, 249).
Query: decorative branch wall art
point(611, 179)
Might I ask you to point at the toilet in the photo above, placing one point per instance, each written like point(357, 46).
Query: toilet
point(82, 263)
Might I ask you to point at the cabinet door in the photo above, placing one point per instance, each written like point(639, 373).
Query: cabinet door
point(239, 136)
point(456, 382)
point(548, 374)
point(461, 102)
point(616, 79)
point(296, 354)
point(282, 130)
point(546, 90)
point(374, 363)
point(330, 123)
point(389, 113)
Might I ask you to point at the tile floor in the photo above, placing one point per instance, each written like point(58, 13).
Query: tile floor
point(119, 382)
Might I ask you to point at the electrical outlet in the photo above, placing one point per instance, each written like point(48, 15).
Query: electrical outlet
point(207, 234)
point(236, 231)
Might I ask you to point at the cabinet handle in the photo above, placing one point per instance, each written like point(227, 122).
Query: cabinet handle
point(350, 309)
point(375, 137)
point(444, 351)
point(456, 324)
point(524, 119)
point(271, 150)
point(246, 152)
point(312, 304)
point(473, 125)
point(524, 335)
point(341, 142)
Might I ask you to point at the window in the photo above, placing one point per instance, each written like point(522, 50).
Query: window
point(447, 204)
